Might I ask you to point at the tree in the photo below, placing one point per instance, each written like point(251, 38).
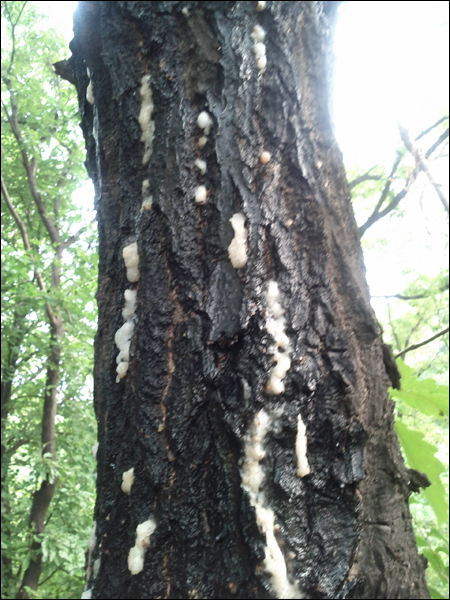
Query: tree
point(246, 440)
point(48, 261)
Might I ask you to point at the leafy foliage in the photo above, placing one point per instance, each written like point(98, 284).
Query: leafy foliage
point(48, 123)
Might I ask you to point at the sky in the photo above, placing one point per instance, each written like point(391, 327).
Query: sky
point(391, 65)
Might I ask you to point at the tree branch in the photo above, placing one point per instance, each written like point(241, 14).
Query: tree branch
point(424, 343)
point(412, 331)
point(362, 178)
point(437, 143)
point(23, 231)
point(427, 131)
point(376, 216)
point(422, 163)
point(30, 167)
point(13, 34)
point(27, 246)
point(414, 296)
point(391, 325)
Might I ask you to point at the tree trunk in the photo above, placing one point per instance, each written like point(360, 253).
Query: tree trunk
point(252, 404)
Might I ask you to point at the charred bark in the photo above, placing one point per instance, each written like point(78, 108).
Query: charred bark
point(200, 400)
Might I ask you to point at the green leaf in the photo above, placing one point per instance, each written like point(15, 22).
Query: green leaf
point(420, 455)
point(422, 394)
point(435, 594)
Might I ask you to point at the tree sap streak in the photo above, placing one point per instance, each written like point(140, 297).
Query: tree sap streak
point(145, 118)
point(237, 250)
point(127, 481)
point(276, 327)
point(303, 467)
point(123, 335)
point(252, 475)
point(136, 555)
point(215, 155)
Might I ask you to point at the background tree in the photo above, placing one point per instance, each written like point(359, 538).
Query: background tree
point(48, 273)
point(195, 114)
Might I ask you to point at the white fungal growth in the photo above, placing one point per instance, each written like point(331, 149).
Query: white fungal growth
point(204, 121)
point(252, 477)
point(265, 157)
point(131, 257)
point(121, 370)
point(90, 93)
point(202, 142)
point(92, 540)
point(261, 63)
point(303, 467)
point(86, 595)
point(89, 90)
point(258, 35)
point(136, 555)
point(201, 165)
point(261, 6)
point(252, 474)
point(276, 327)
point(201, 194)
point(123, 335)
point(260, 55)
point(259, 49)
point(147, 199)
point(127, 481)
point(237, 250)
point(130, 304)
point(123, 341)
point(147, 203)
point(96, 568)
point(94, 450)
point(145, 118)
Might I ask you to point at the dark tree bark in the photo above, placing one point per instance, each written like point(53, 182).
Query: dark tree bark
point(230, 367)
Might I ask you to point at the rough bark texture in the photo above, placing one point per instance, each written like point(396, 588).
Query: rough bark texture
point(200, 353)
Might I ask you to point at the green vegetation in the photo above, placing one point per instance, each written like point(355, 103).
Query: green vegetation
point(42, 165)
point(44, 239)
point(415, 322)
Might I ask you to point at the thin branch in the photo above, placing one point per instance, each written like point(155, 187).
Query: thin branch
point(13, 36)
point(47, 578)
point(23, 231)
point(437, 143)
point(362, 178)
point(412, 331)
point(424, 343)
point(30, 167)
point(27, 247)
point(427, 131)
point(391, 325)
point(422, 162)
point(12, 448)
point(415, 296)
point(76, 236)
point(376, 216)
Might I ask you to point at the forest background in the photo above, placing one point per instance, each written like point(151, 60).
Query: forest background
point(399, 183)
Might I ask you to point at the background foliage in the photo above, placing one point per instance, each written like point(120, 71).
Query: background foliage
point(47, 115)
point(49, 126)
point(385, 198)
